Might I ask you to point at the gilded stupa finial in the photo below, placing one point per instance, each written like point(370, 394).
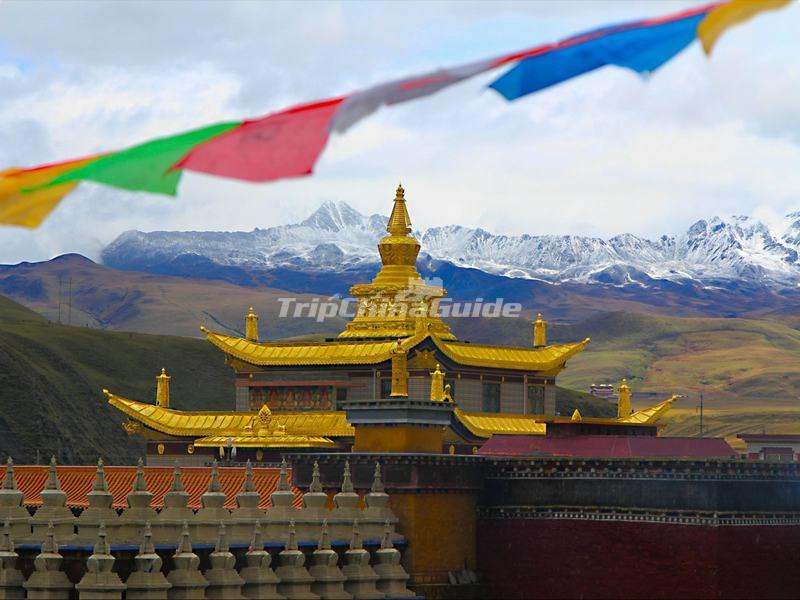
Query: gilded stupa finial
point(162, 389)
point(624, 403)
point(539, 332)
point(251, 326)
point(399, 221)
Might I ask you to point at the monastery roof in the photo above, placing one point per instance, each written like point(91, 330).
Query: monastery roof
point(76, 482)
point(346, 352)
point(313, 424)
point(310, 429)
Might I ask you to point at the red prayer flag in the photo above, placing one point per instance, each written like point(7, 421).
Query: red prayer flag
point(283, 144)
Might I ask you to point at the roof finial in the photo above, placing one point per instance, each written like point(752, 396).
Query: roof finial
point(576, 416)
point(185, 545)
point(162, 389)
point(100, 484)
point(355, 540)
point(624, 403)
point(399, 221)
point(283, 480)
point(377, 480)
point(316, 485)
point(437, 384)
point(50, 546)
point(248, 485)
point(324, 537)
point(251, 326)
point(386, 540)
point(214, 485)
point(10, 482)
point(146, 546)
point(222, 539)
point(347, 483)
point(52, 476)
point(291, 540)
point(177, 482)
point(139, 484)
point(539, 332)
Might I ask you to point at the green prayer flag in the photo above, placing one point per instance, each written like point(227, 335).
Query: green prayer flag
point(146, 167)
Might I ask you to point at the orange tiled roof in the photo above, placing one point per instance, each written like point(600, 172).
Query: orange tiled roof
point(77, 481)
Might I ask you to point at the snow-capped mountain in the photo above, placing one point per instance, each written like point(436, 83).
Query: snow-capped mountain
point(337, 238)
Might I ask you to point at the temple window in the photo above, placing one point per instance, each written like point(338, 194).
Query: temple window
point(491, 397)
point(386, 387)
point(341, 395)
point(536, 399)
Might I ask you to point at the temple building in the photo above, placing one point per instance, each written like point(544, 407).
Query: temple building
point(291, 395)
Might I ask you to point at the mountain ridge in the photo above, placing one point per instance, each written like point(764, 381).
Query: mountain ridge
point(338, 238)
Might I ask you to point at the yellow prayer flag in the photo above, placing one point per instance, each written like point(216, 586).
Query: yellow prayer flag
point(30, 208)
point(729, 14)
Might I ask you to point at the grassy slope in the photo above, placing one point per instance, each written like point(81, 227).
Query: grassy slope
point(51, 377)
point(106, 298)
point(739, 363)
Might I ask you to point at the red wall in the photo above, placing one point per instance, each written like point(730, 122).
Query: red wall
point(548, 558)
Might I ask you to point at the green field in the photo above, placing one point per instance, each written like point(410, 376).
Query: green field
point(52, 376)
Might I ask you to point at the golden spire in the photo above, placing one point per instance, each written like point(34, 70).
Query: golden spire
point(539, 332)
point(576, 416)
point(399, 372)
point(399, 221)
point(437, 384)
point(162, 389)
point(624, 404)
point(251, 326)
point(397, 299)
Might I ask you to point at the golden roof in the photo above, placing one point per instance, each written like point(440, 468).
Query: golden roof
point(486, 424)
point(194, 424)
point(649, 416)
point(339, 352)
point(545, 358)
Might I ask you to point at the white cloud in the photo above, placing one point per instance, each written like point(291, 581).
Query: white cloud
point(602, 154)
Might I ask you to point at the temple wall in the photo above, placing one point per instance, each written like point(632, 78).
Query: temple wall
point(242, 398)
point(565, 558)
point(639, 528)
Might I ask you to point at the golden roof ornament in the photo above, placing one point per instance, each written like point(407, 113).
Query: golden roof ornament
point(624, 402)
point(399, 221)
point(576, 416)
point(251, 326)
point(539, 332)
point(399, 371)
point(437, 384)
point(162, 389)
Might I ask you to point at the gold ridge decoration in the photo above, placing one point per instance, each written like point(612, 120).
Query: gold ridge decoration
point(132, 427)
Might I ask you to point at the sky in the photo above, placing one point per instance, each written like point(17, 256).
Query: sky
point(603, 154)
